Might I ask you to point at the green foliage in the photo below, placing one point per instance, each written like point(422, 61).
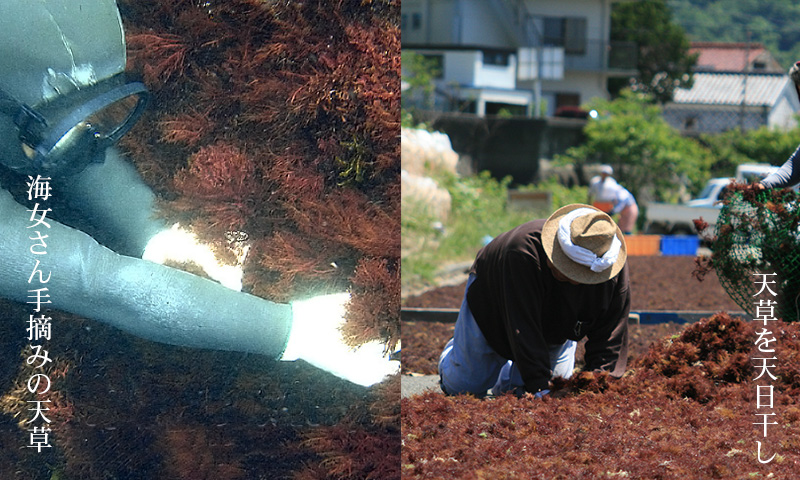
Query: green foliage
point(663, 61)
point(763, 145)
point(478, 195)
point(649, 157)
point(766, 145)
point(419, 73)
point(418, 240)
point(769, 22)
point(560, 194)
point(407, 120)
point(479, 208)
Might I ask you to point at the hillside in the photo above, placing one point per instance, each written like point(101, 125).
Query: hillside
point(773, 23)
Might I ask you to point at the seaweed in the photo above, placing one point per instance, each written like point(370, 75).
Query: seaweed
point(684, 410)
point(281, 121)
point(274, 124)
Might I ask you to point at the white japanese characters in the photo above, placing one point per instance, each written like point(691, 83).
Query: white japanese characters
point(39, 326)
point(765, 312)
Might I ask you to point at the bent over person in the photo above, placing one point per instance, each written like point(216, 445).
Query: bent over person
point(532, 293)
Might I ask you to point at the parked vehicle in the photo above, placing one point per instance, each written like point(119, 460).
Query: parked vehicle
point(678, 219)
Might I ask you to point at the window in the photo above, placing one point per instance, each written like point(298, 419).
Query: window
point(416, 21)
point(567, 32)
point(575, 35)
point(553, 32)
point(494, 57)
point(567, 100)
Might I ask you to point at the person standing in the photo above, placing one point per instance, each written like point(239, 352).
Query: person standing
point(624, 205)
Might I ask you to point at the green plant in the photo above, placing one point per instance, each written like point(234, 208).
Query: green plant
point(664, 63)
point(479, 209)
point(419, 240)
point(419, 71)
point(762, 145)
point(648, 156)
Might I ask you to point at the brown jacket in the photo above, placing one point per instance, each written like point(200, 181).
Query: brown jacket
point(522, 309)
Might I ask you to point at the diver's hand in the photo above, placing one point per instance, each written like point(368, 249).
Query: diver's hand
point(316, 338)
point(182, 246)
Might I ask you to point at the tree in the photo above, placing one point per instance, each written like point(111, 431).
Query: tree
point(769, 22)
point(419, 73)
point(762, 145)
point(650, 158)
point(663, 61)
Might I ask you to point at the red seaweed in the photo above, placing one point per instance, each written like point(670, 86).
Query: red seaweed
point(278, 123)
point(684, 410)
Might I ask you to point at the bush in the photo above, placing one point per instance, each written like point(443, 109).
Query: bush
point(649, 157)
point(763, 145)
point(479, 209)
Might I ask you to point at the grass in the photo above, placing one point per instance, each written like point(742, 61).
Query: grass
point(479, 210)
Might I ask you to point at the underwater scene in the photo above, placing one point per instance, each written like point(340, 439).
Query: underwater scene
point(156, 256)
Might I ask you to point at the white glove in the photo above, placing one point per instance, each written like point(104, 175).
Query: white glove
point(182, 246)
point(316, 338)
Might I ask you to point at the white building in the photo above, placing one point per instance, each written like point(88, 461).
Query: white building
point(489, 52)
point(720, 101)
point(736, 86)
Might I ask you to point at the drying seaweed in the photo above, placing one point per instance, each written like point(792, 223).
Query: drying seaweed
point(684, 410)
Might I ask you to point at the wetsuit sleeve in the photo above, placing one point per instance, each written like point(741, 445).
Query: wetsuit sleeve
point(607, 346)
point(523, 289)
point(146, 299)
point(786, 176)
point(121, 208)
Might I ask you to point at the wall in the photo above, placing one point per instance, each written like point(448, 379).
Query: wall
point(507, 146)
point(713, 118)
point(783, 114)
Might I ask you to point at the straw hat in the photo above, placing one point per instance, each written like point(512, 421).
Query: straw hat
point(589, 236)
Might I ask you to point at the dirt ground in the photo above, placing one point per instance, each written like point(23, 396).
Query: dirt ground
point(657, 283)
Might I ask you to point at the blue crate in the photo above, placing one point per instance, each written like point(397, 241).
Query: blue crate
point(679, 244)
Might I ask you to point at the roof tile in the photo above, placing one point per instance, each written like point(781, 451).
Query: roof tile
point(727, 89)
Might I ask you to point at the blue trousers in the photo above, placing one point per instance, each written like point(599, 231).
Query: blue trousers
point(469, 365)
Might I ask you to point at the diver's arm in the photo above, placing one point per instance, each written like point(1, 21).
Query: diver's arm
point(115, 199)
point(144, 298)
point(167, 305)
